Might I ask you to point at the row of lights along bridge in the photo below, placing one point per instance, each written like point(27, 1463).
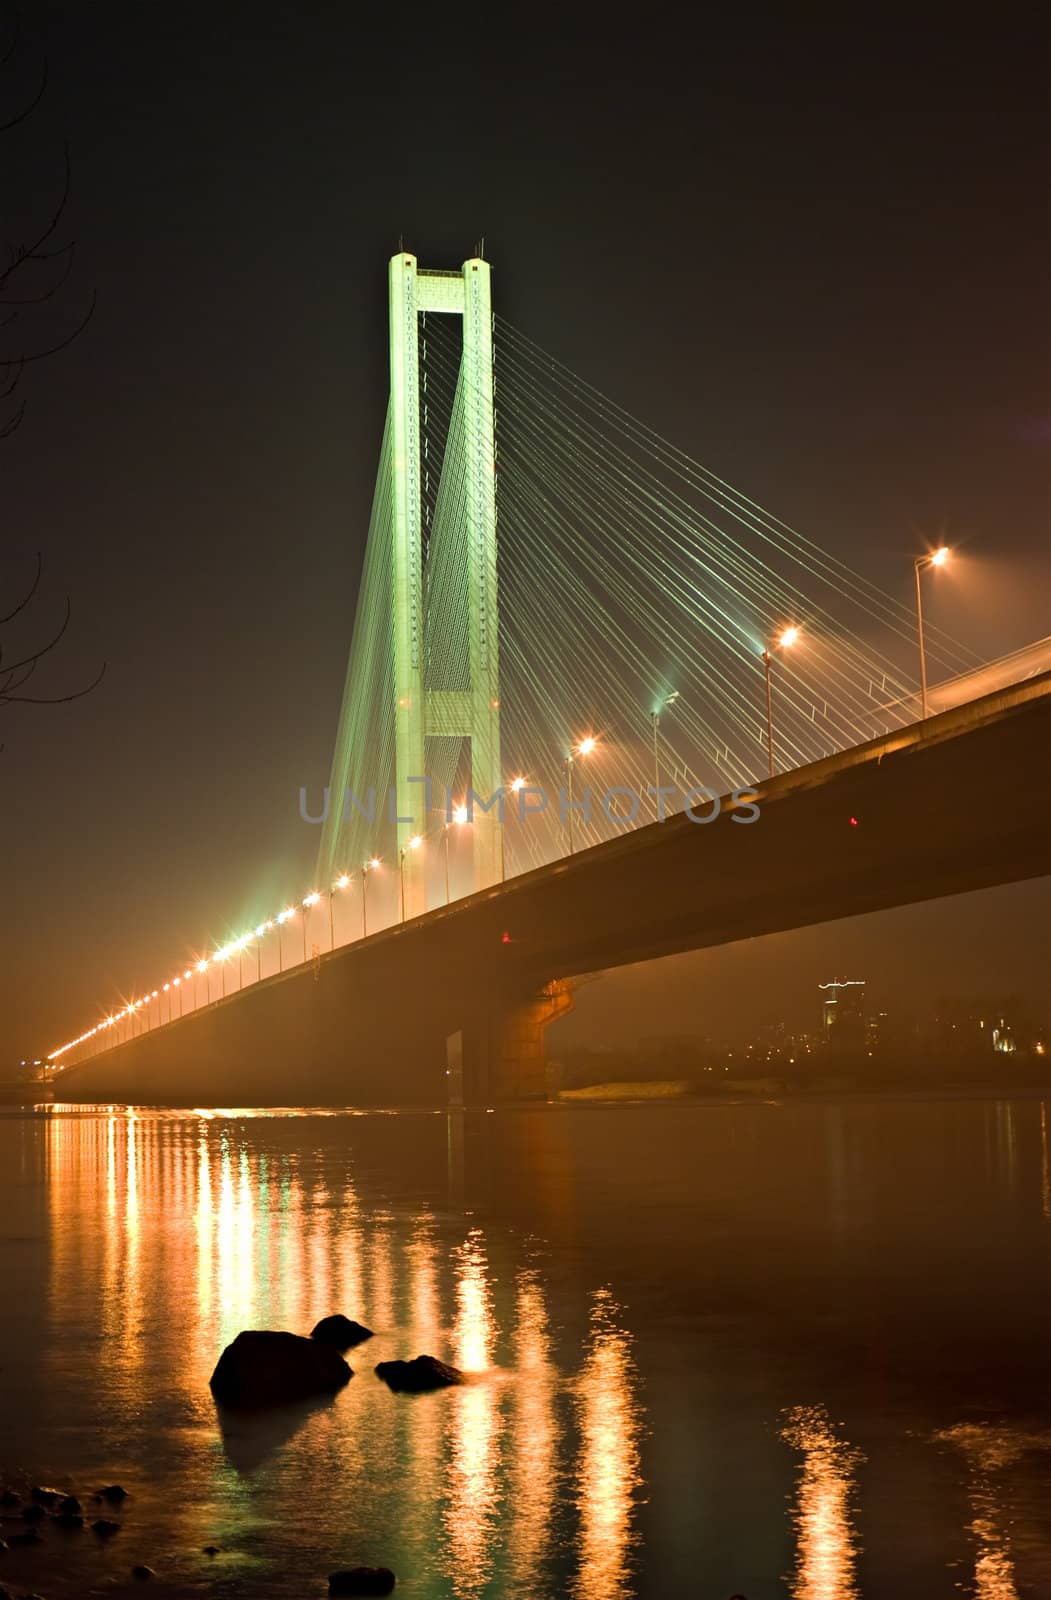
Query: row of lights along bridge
point(460, 817)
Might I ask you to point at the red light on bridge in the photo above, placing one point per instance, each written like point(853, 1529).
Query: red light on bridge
point(853, 822)
point(505, 937)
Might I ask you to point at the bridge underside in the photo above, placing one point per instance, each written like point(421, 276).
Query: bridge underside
point(461, 995)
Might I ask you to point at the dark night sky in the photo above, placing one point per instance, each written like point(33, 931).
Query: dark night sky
point(812, 252)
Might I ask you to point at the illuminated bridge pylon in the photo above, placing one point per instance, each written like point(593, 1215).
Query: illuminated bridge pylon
point(424, 675)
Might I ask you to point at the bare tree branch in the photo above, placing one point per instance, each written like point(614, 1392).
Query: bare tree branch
point(29, 594)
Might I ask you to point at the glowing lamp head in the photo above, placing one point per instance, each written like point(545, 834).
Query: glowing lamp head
point(585, 747)
point(940, 556)
point(312, 898)
point(415, 842)
point(202, 966)
point(788, 638)
point(517, 785)
point(343, 880)
point(373, 862)
point(460, 814)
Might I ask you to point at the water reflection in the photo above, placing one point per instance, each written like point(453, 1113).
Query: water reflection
point(988, 1452)
point(826, 1541)
point(141, 1243)
point(609, 1472)
point(473, 1493)
point(535, 1432)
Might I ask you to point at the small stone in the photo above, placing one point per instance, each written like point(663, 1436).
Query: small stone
point(114, 1494)
point(423, 1372)
point(46, 1497)
point(33, 1513)
point(70, 1506)
point(143, 1574)
point(341, 1332)
point(69, 1519)
point(29, 1537)
point(105, 1528)
point(211, 1549)
point(361, 1580)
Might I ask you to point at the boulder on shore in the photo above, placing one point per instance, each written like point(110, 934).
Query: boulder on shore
point(340, 1332)
point(361, 1580)
point(262, 1368)
point(418, 1375)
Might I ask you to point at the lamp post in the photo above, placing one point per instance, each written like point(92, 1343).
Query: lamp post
point(655, 719)
point(413, 844)
point(517, 785)
point(785, 642)
point(937, 558)
point(584, 748)
point(366, 868)
point(311, 900)
point(459, 817)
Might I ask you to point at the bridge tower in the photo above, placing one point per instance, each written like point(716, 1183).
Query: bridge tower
point(422, 709)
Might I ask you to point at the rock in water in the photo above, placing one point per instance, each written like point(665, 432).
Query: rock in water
point(413, 1377)
point(272, 1369)
point(33, 1513)
point(70, 1506)
point(143, 1574)
point(8, 1497)
point(361, 1580)
point(46, 1497)
point(340, 1332)
point(105, 1528)
point(114, 1494)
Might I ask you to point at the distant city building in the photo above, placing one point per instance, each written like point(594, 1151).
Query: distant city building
point(843, 1015)
point(995, 1025)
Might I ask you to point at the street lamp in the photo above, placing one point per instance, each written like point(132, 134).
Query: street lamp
point(655, 718)
point(342, 882)
point(311, 900)
point(459, 817)
point(936, 558)
point(413, 844)
point(785, 642)
point(282, 918)
point(584, 748)
point(366, 868)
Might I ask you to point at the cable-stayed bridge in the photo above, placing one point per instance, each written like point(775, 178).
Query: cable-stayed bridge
point(571, 640)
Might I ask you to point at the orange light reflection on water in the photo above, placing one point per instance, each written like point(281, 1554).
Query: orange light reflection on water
point(534, 1468)
point(608, 1474)
point(826, 1547)
point(474, 1426)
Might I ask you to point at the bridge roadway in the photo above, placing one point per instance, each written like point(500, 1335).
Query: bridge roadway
point(459, 998)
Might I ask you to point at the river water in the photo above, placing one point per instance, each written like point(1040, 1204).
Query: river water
point(770, 1350)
